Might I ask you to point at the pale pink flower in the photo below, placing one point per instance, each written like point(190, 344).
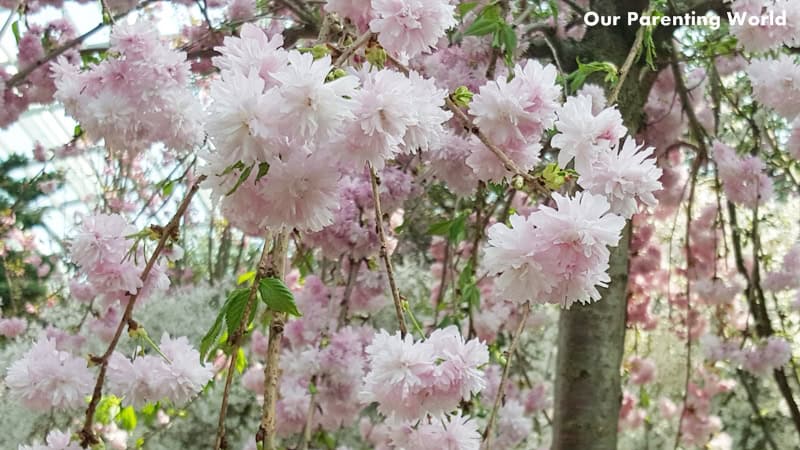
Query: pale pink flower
point(187, 374)
point(358, 11)
point(518, 112)
point(46, 378)
point(788, 275)
point(409, 379)
point(56, 440)
point(411, 27)
point(138, 382)
point(304, 104)
point(12, 327)
point(776, 84)
point(235, 118)
point(510, 256)
point(743, 178)
point(252, 50)
point(101, 239)
point(642, 370)
point(626, 176)
point(581, 133)
point(513, 425)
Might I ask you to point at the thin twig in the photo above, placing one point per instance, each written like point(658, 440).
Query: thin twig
point(20, 76)
point(508, 163)
point(236, 340)
point(688, 248)
point(10, 18)
point(387, 260)
point(629, 60)
point(277, 269)
point(352, 274)
point(350, 49)
point(308, 428)
point(487, 434)
point(87, 434)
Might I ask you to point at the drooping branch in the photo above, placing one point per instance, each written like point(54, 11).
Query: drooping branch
point(20, 76)
point(757, 307)
point(236, 339)
point(384, 252)
point(87, 436)
point(276, 269)
point(498, 398)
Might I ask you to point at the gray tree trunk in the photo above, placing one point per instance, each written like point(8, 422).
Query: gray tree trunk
point(590, 344)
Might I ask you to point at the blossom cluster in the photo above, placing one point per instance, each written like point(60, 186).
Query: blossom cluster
point(776, 84)
point(305, 125)
point(555, 255)
point(405, 27)
point(39, 86)
point(759, 359)
point(514, 115)
point(134, 100)
point(409, 379)
point(176, 376)
point(743, 178)
point(104, 251)
point(769, 33)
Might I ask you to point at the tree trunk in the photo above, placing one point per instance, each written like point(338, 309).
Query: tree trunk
point(590, 347)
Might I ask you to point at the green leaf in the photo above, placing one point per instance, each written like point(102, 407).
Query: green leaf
point(471, 295)
point(508, 39)
point(238, 165)
point(487, 22)
point(168, 187)
point(107, 409)
point(77, 131)
point(127, 418)
point(462, 96)
point(440, 228)
point(644, 397)
point(245, 277)
point(277, 296)
point(263, 169)
point(236, 304)
point(584, 70)
point(242, 178)
point(553, 176)
point(241, 360)
point(464, 8)
point(15, 31)
point(211, 336)
point(458, 229)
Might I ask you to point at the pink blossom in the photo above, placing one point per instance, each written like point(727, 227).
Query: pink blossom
point(513, 425)
point(776, 84)
point(47, 378)
point(411, 27)
point(12, 327)
point(772, 354)
point(457, 432)
point(136, 99)
point(555, 256)
point(56, 440)
point(625, 176)
point(582, 133)
point(252, 50)
point(518, 112)
point(743, 179)
point(409, 379)
point(359, 12)
point(788, 275)
point(642, 370)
